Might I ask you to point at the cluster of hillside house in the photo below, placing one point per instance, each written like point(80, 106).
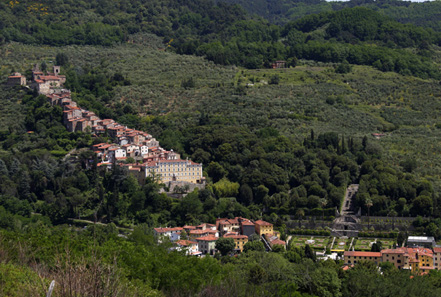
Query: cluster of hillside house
point(43, 83)
point(151, 159)
point(202, 239)
point(420, 255)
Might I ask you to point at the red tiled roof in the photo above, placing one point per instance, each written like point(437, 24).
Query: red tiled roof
point(347, 267)
point(198, 231)
point(163, 230)
point(277, 241)
point(235, 236)
point(207, 238)
point(170, 161)
point(262, 223)
point(189, 227)
point(49, 77)
point(104, 146)
point(99, 144)
point(393, 251)
point(437, 249)
point(362, 254)
point(185, 242)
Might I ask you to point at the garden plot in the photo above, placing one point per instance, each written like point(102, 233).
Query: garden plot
point(364, 244)
point(318, 243)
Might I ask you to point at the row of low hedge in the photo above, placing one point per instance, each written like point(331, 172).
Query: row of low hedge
point(310, 232)
point(378, 234)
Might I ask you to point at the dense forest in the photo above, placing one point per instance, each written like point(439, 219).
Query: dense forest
point(283, 11)
point(276, 144)
point(226, 35)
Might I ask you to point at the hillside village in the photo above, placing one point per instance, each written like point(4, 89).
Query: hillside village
point(151, 159)
point(201, 239)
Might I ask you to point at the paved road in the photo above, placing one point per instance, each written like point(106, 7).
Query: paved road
point(348, 205)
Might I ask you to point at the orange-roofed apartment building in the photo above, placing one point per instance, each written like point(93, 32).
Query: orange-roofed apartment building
point(437, 258)
point(173, 234)
point(193, 234)
point(239, 241)
point(207, 244)
point(414, 259)
point(190, 247)
point(175, 170)
point(228, 225)
point(263, 227)
point(409, 258)
point(353, 257)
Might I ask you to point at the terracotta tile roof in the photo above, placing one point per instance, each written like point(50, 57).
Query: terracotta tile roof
point(164, 230)
point(347, 267)
point(207, 238)
point(277, 241)
point(185, 242)
point(362, 254)
point(231, 233)
point(262, 223)
point(234, 236)
point(394, 251)
point(99, 144)
point(437, 249)
point(189, 227)
point(49, 77)
point(198, 231)
point(104, 146)
point(173, 161)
